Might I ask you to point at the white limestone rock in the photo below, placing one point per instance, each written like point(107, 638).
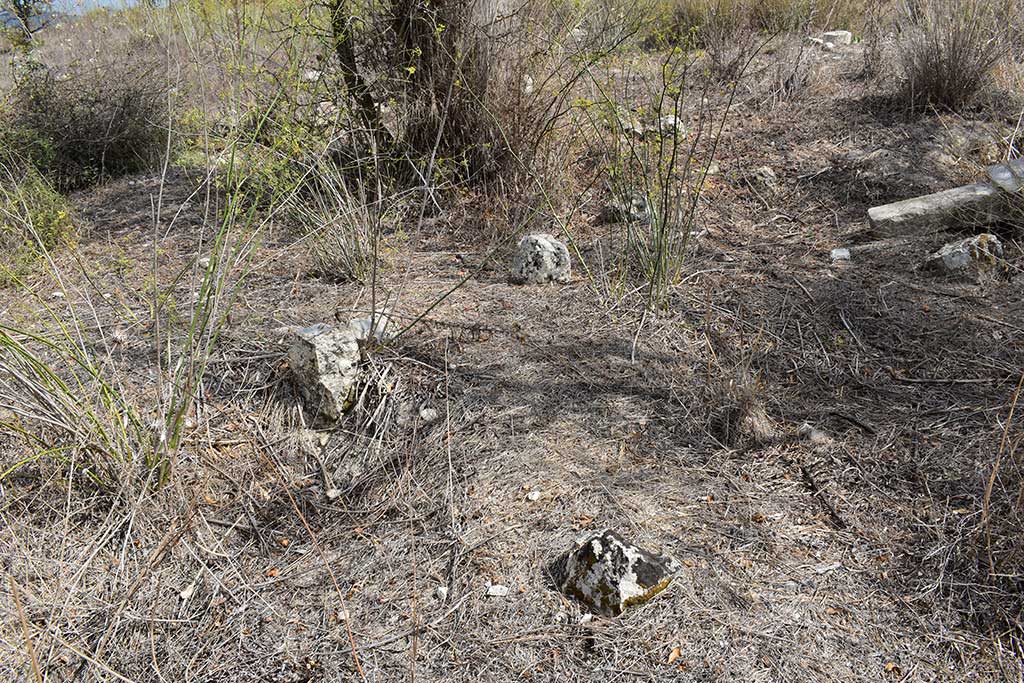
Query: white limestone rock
point(370, 328)
point(325, 362)
point(840, 254)
point(607, 574)
point(630, 209)
point(980, 252)
point(541, 259)
point(838, 38)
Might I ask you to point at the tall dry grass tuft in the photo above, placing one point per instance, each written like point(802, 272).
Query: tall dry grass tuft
point(950, 48)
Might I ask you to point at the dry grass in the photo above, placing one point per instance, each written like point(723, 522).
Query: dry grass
point(886, 550)
point(952, 47)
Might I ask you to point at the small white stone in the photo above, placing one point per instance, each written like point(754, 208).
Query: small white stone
point(497, 591)
point(814, 435)
point(188, 592)
point(59, 295)
point(585, 618)
point(428, 415)
point(837, 38)
point(441, 592)
point(981, 251)
point(533, 496)
point(840, 254)
point(371, 327)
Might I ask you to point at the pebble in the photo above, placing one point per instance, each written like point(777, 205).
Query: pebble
point(533, 496)
point(441, 592)
point(497, 591)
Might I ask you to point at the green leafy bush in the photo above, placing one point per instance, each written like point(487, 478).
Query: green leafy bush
point(34, 218)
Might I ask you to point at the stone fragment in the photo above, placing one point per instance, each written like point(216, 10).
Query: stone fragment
point(670, 125)
point(1008, 177)
point(939, 211)
point(441, 593)
point(980, 252)
point(813, 435)
point(838, 38)
point(541, 259)
point(607, 574)
point(764, 177)
point(371, 327)
point(840, 254)
point(325, 362)
point(533, 496)
point(628, 209)
point(497, 591)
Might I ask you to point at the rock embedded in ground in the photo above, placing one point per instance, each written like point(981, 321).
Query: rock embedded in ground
point(840, 254)
point(935, 212)
point(838, 38)
point(765, 178)
point(607, 574)
point(541, 259)
point(812, 434)
point(670, 125)
point(628, 209)
point(371, 327)
point(325, 362)
point(497, 591)
point(980, 252)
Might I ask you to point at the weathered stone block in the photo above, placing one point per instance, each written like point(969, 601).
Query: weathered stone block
point(325, 362)
point(541, 259)
point(980, 252)
point(939, 211)
point(838, 37)
point(607, 574)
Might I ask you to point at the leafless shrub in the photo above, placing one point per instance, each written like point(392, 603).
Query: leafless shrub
point(951, 47)
point(89, 122)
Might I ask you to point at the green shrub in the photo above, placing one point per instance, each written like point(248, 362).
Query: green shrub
point(34, 218)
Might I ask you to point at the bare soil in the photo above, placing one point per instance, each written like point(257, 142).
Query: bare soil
point(864, 557)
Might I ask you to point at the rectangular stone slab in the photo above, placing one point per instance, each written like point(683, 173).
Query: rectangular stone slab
point(935, 212)
point(1009, 177)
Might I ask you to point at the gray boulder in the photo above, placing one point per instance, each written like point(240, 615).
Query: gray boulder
point(980, 252)
point(607, 574)
point(541, 259)
point(325, 362)
point(629, 209)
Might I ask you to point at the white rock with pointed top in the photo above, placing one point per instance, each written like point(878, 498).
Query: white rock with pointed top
point(607, 574)
point(325, 363)
point(541, 259)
